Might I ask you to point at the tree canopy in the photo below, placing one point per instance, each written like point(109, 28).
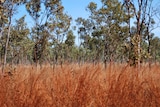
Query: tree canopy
point(114, 32)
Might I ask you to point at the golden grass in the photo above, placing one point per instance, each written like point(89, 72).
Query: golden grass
point(81, 86)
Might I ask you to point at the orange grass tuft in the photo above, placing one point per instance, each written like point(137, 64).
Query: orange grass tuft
point(81, 86)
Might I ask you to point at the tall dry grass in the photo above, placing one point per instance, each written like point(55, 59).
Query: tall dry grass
point(81, 86)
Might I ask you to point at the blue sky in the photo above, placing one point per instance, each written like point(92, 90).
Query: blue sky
point(75, 8)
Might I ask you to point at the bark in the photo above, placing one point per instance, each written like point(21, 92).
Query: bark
point(8, 36)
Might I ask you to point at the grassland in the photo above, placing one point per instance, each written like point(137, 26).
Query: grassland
point(81, 86)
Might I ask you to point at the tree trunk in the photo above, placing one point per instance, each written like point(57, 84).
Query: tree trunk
point(6, 45)
point(105, 54)
point(149, 50)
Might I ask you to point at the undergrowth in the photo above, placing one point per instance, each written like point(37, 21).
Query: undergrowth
point(81, 86)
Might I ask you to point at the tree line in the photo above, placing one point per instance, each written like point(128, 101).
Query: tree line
point(114, 32)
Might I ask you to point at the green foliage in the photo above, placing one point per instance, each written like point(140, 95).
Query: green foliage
point(70, 41)
point(20, 44)
point(49, 21)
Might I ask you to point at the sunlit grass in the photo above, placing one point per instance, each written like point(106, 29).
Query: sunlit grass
point(81, 86)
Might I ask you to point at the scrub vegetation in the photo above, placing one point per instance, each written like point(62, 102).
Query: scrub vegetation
point(109, 58)
point(81, 86)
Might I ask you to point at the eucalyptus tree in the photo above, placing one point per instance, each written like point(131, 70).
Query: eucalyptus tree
point(150, 26)
point(42, 12)
point(3, 17)
point(142, 14)
point(58, 28)
point(3, 22)
point(20, 43)
point(109, 18)
point(155, 47)
point(70, 43)
point(85, 30)
point(128, 8)
point(7, 10)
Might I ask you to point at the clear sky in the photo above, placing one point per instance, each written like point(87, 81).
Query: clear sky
point(75, 8)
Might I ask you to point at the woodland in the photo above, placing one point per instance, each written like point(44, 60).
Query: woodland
point(110, 59)
point(114, 32)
